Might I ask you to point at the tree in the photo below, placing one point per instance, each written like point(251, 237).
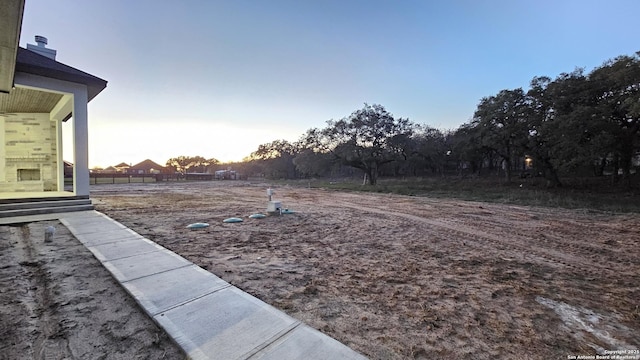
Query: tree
point(430, 149)
point(197, 164)
point(542, 132)
point(367, 139)
point(468, 150)
point(502, 120)
point(276, 159)
point(617, 88)
point(576, 135)
point(311, 158)
point(272, 150)
point(183, 164)
point(312, 163)
point(574, 122)
point(209, 163)
point(179, 163)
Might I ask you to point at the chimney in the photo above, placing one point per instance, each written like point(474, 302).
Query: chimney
point(41, 48)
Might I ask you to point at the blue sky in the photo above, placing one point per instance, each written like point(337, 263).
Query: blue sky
point(218, 78)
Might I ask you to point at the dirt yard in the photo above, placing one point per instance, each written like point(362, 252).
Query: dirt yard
point(59, 302)
point(399, 277)
point(394, 277)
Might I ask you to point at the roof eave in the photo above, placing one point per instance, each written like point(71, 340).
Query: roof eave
point(32, 63)
point(12, 12)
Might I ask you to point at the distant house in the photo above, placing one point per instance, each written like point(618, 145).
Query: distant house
point(226, 175)
point(109, 170)
point(38, 94)
point(147, 167)
point(122, 168)
point(68, 169)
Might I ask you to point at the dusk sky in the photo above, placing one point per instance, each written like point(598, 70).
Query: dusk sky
point(219, 78)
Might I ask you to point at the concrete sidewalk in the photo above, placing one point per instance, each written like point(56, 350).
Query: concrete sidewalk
point(206, 316)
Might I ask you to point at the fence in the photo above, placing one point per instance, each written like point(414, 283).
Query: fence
point(103, 178)
point(98, 178)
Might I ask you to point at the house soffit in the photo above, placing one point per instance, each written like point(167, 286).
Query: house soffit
point(23, 100)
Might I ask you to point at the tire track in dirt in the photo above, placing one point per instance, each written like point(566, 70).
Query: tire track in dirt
point(575, 257)
point(578, 243)
point(570, 234)
point(565, 231)
point(478, 238)
point(50, 342)
point(523, 233)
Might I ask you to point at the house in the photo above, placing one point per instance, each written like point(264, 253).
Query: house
point(109, 170)
point(226, 175)
point(38, 94)
point(68, 169)
point(147, 167)
point(122, 168)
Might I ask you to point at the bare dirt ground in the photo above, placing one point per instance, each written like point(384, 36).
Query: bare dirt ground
point(394, 277)
point(398, 277)
point(59, 302)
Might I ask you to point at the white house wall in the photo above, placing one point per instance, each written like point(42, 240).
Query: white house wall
point(30, 153)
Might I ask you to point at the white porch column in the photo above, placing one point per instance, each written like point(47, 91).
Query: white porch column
point(59, 159)
point(58, 113)
point(81, 141)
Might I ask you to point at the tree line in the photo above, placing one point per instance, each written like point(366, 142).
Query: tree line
point(578, 124)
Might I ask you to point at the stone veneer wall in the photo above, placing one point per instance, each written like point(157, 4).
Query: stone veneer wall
point(28, 146)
